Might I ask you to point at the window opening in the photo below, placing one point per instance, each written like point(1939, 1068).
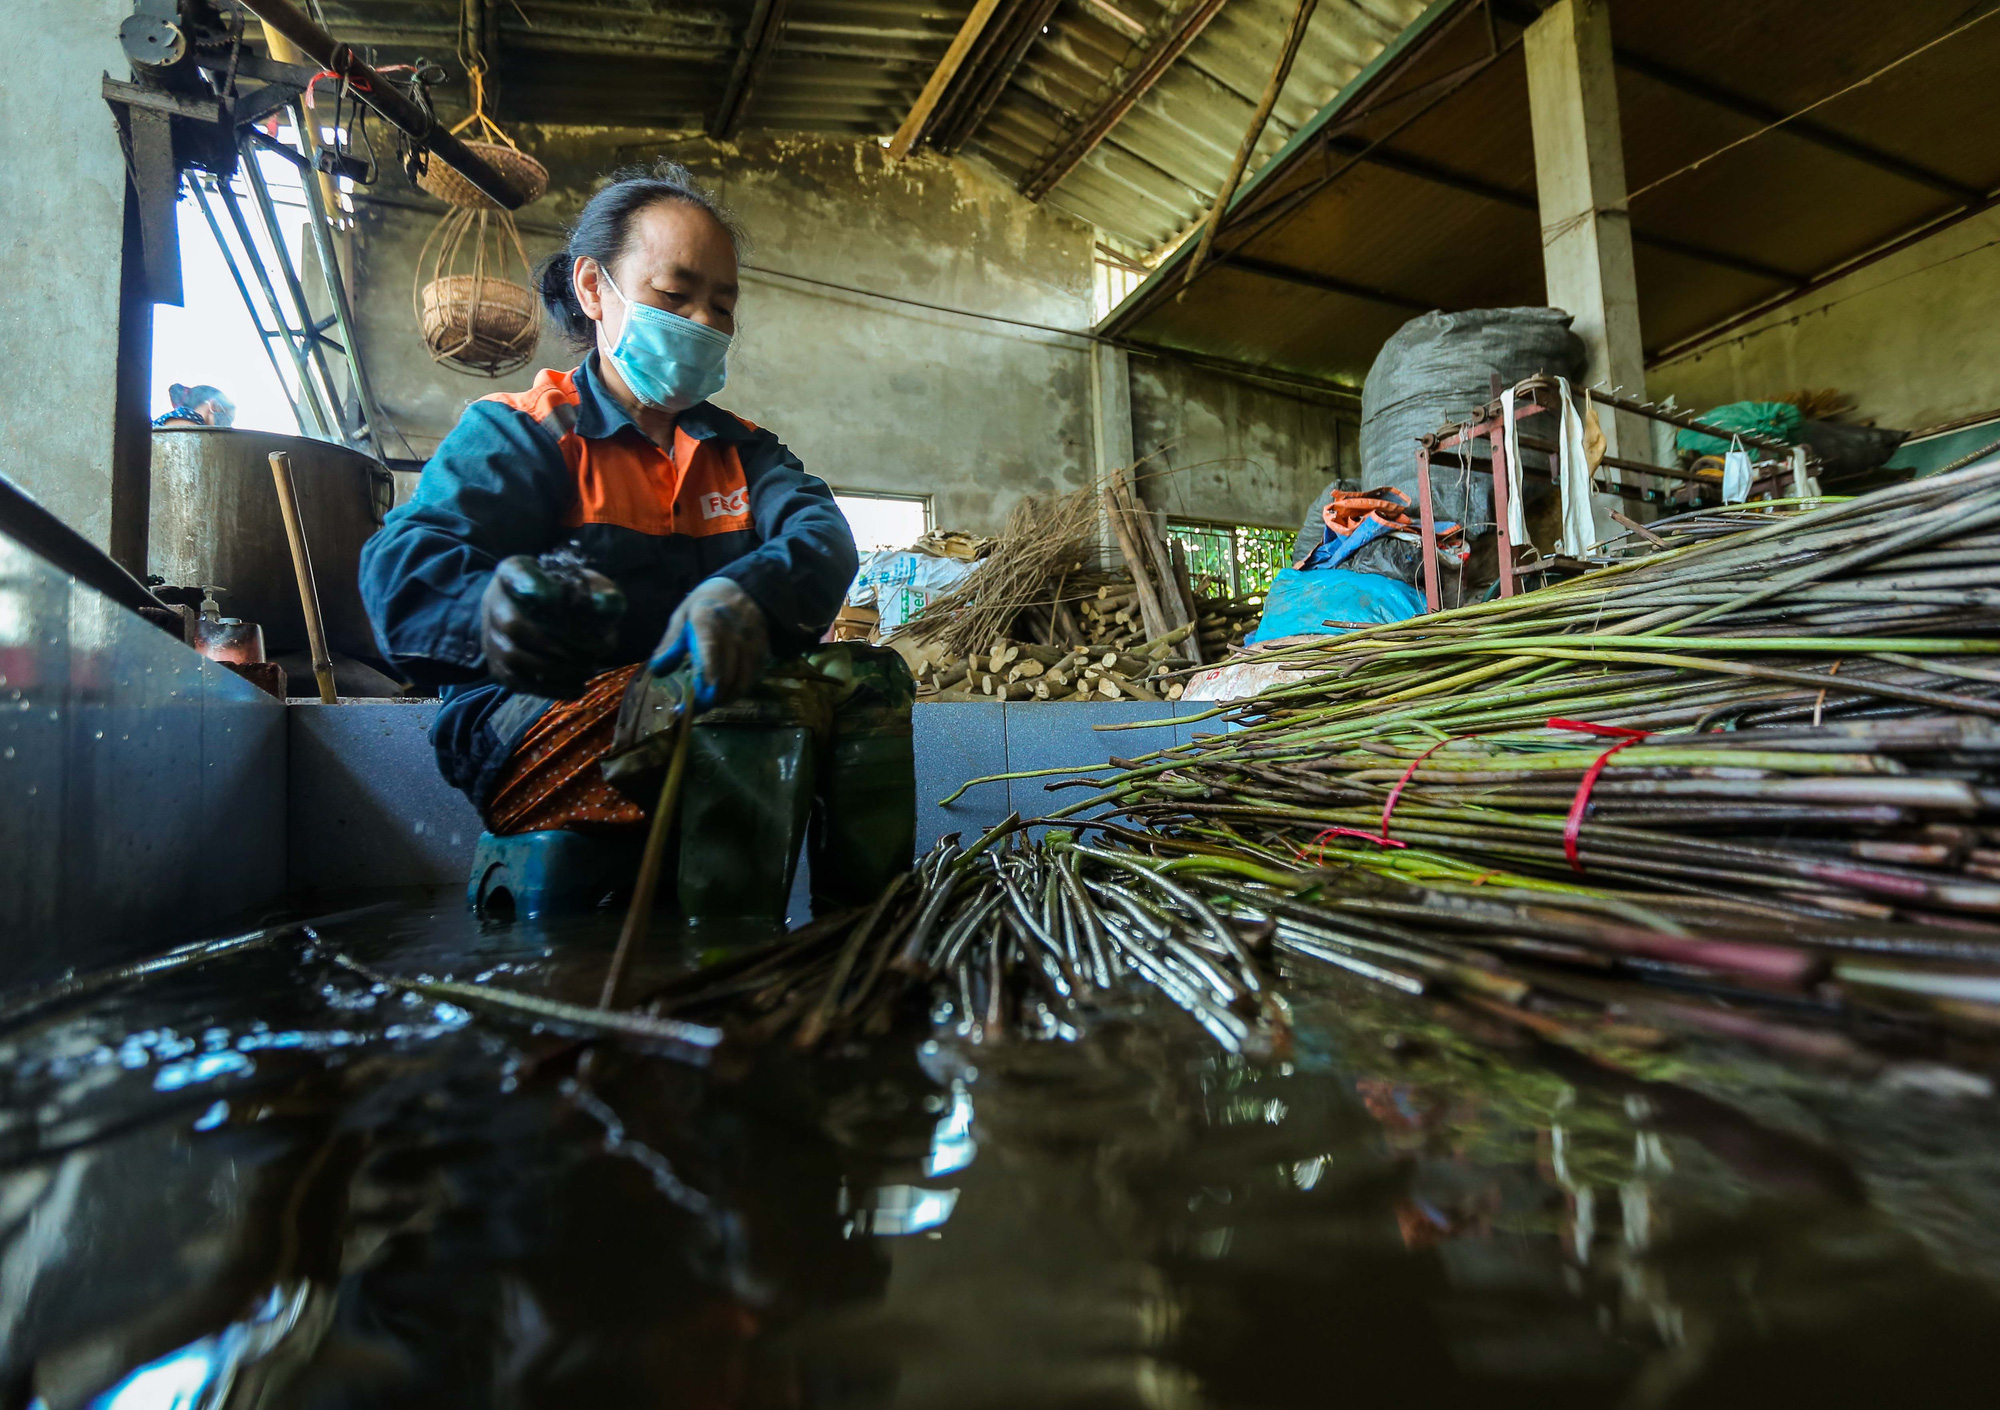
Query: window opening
point(887, 521)
point(1232, 560)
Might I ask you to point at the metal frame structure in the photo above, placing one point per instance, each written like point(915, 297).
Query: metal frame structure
point(406, 115)
point(1533, 396)
point(319, 403)
point(188, 122)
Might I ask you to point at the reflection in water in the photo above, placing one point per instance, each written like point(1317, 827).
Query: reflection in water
point(264, 1184)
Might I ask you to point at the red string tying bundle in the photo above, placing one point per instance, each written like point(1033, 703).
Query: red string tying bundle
point(1573, 827)
point(1389, 806)
point(1321, 838)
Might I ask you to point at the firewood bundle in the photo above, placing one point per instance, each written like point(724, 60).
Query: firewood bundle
point(1221, 623)
point(1114, 669)
point(1095, 649)
point(1037, 621)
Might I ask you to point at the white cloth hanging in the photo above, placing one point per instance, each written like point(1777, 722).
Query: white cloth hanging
point(1804, 486)
point(1579, 526)
point(1735, 473)
point(1517, 519)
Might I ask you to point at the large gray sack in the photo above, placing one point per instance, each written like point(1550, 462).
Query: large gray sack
point(1433, 372)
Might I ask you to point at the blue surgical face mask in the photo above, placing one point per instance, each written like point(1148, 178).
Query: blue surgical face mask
point(668, 361)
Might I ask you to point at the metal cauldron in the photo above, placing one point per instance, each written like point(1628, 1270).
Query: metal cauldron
point(215, 520)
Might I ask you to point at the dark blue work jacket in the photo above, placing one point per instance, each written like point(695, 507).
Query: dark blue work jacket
point(562, 463)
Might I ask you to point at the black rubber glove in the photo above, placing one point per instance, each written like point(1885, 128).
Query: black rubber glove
point(546, 633)
point(723, 630)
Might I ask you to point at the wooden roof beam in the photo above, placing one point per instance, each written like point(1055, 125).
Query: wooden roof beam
point(985, 86)
point(1326, 283)
point(934, 88)
point(1804, 129)
point(760, 41)
point(1050, 171)
point(1526, 201)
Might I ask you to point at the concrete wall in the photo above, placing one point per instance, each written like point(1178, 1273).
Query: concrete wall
point(1232, 451)
point(875, 394)
point(872, 395)
point(1914, 338)
point(62, 202)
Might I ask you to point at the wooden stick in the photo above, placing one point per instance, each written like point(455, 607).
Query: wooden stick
point(1190, 610)
point(1121, 515)
point(1273, 86)
point(650, 864)
point(295, 533)
point(1640, 529)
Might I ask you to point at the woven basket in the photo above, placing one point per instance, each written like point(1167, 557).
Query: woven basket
point(479, 324)
point(520, 168)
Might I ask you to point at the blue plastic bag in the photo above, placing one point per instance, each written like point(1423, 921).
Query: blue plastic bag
point(1302, 603)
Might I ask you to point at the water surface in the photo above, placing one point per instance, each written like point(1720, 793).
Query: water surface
point(262, 1183)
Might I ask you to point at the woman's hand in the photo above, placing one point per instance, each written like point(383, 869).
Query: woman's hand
point(544, 637)
point(724, 630)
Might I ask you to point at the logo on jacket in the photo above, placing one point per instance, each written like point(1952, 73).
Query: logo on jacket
point(717, 505)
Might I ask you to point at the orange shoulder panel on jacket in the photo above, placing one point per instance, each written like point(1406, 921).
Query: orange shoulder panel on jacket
point(714, 495)
point(624, 481)
point(551, 389)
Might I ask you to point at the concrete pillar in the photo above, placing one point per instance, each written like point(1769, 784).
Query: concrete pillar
point(1111, 431)
point(62, 223)
point(1586, 234)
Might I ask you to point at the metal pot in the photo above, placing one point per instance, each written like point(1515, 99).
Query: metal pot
point(215, 520)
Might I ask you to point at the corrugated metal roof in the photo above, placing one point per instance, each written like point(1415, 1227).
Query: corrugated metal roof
point(1161, 167)
point(857, 66)
point(1443, 213)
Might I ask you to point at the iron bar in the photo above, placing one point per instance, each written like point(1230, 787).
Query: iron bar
point(336, 425)
point(1616, 462)
point(321, 426)
point(386, 100)
point(336, 290)
point(1427, 521)
point(1501, 501)
point(1683, 420)
point(264, 335)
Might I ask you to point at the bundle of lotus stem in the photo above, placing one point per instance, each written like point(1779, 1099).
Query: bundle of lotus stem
point(1748, 787)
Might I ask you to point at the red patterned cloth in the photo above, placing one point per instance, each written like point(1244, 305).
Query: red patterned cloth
point(552, 779)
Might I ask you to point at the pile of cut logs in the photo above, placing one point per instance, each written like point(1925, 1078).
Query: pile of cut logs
point(1115, 660)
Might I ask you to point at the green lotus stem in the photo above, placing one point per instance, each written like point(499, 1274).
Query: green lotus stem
point(959, 792)
point(1739, 668)
point(1834, 646)
point(1235, 865)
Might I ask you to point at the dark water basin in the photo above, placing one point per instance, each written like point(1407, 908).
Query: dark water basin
point(260, 1183)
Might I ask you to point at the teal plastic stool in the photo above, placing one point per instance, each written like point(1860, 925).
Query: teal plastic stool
point(534, 874)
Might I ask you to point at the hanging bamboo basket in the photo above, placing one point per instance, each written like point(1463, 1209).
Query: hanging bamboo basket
point(517, 166)
point(472, 294)
point(498, 151)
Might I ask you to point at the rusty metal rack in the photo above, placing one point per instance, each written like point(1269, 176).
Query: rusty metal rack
point(1532, 397)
